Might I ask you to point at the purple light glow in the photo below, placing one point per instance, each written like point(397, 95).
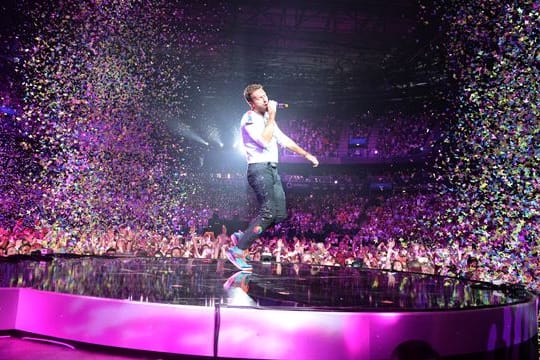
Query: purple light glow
point(262, 333)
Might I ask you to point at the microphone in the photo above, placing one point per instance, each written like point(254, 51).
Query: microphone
point(282, 105)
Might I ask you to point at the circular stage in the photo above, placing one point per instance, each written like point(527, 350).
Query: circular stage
point(206, 308)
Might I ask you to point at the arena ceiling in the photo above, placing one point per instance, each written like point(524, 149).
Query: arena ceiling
point(346, 51)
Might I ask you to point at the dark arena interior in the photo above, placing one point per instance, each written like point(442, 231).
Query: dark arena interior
point(123, 179)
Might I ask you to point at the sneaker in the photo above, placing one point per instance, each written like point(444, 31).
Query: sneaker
point(236, 257)
point(235, 237)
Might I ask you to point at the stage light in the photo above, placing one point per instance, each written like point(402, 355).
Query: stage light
point(214, 135)
point(186, 131)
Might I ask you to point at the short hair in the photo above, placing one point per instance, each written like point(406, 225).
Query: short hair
point(250, 89)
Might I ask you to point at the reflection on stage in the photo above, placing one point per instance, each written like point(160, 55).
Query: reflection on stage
point(202, 282)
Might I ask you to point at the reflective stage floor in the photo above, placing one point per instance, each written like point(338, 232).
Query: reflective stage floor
point(206, 308)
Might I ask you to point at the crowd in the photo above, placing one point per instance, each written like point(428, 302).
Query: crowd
point(361, 125)
point(401, 135)
point(385, 136)
point(388, 232)
point(319, 136)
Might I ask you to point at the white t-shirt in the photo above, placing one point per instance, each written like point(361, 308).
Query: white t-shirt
point(252, 126)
